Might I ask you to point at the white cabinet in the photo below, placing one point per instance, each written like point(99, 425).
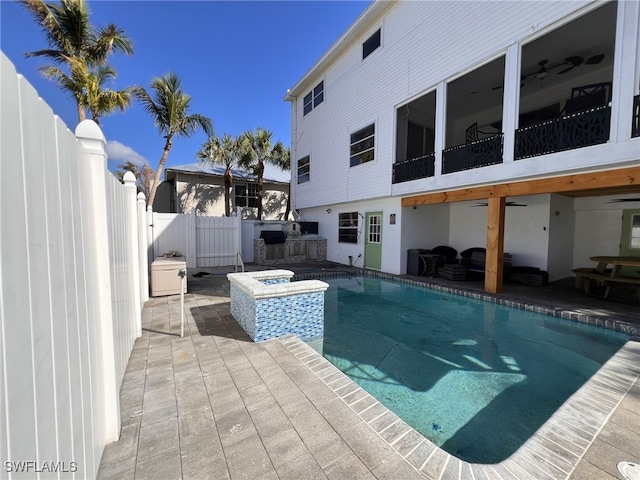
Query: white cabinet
point(165, 276)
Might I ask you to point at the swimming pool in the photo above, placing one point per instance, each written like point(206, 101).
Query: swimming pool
point(476, 378)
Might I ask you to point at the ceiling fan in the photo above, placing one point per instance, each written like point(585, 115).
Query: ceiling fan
point(507, 204)
point(623, 200)
point(569, 64)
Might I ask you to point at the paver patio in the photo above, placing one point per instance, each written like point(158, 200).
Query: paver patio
point(215, 405)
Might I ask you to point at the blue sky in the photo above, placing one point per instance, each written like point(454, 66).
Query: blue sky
point(235, 58)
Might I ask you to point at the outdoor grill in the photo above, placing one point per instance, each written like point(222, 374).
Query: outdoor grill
point(272, 237)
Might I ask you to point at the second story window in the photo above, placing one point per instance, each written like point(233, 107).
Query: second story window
point(246, 195)
point(370, 45)
point(303, 169)
point(314, 98)
point(362, 146)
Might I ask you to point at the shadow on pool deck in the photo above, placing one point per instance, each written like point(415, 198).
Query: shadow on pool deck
point(216, 405)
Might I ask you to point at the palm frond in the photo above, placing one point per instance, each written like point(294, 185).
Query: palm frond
point(149, 105)
point(65, 82)
point(108, 40)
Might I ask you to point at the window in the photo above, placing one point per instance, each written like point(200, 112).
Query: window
point(634, 241)
point(303, 169)
point(371, 44)
point(246, 195)
point(362, 145)
point(314, 98)
point(348, 227)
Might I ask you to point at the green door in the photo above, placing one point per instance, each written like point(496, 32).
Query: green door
point(373, 241)
point(630, 241)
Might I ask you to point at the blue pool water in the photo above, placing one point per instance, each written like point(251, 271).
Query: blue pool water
point(476, 378)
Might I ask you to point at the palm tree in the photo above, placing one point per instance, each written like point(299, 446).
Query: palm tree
point(284, 162)
point(75, 42)
point(102, 101)
point(169, 108)
point(258, 149)
point(144, 176)
point(224, 151)
point(87, 88)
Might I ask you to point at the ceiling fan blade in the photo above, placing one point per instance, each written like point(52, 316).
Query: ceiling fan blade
point(565, 70)
point(575, 60)
point(595, 59)
point(622, 200)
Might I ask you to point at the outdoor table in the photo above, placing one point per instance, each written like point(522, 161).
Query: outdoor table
point(615, 275)
point(430, 263)
point(617, 262)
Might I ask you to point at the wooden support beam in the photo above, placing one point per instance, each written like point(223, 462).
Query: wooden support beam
point(624, 180)
point(494, 266)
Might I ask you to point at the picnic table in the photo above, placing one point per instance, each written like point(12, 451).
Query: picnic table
point(608, 277)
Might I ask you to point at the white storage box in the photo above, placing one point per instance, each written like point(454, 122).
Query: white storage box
point(165, 276)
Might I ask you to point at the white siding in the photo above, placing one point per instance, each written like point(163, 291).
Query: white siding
point(412, 59)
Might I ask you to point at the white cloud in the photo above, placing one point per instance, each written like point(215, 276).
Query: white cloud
point(120, 153)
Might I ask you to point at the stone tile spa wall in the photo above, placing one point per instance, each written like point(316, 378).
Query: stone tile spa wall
point(267, 305)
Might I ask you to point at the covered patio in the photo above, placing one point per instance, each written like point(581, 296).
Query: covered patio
point(608, 182)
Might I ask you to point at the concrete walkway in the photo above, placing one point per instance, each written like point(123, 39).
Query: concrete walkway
point(215, 405)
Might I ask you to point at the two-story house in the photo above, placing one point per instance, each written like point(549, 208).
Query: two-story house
point(508, 125)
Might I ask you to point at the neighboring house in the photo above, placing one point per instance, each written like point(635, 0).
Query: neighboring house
point(200, 187)
point(425, 119)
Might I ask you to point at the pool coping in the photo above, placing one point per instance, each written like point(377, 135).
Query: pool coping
point(552, 452)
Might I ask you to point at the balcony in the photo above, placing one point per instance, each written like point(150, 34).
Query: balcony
point(480, 153)
point(414, 168)
point(581, 129)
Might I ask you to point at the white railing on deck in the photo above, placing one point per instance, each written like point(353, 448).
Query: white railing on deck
point(71, 288)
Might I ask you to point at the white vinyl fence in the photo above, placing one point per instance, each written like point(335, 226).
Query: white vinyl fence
point(204, 241)
point(71, 288)
point(173, 232)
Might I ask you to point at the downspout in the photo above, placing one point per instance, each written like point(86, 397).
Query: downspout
point(294, 144)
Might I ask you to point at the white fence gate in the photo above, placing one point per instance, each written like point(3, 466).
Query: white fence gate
point(218, 240)
point(204, 241)
point(173, 231)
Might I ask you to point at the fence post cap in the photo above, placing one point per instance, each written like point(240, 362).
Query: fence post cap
point(129, 177)
point(141, 197)
point(90, 129)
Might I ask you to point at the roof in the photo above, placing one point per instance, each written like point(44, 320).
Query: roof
point(272, 174)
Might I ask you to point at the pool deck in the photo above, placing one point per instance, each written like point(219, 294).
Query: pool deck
point(215, 405)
